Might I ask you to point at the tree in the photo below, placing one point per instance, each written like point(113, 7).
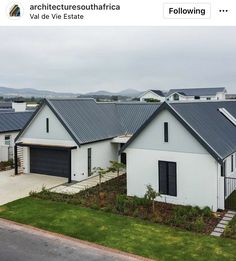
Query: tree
point(151, 194)
point(151, 100)
point(116, 167)
point(101, 172)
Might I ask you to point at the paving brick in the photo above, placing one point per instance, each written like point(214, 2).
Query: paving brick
point(224, 222)
point(216, 234)
point(231, 212)
point(221, 225)
point(226, 218)
point(229, 215)
point(220, 230)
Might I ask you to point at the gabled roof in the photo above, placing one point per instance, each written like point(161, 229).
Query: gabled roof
point(197, 91)
point(88, 121)
point(158, 92)
point(13, 121)
point(205, 122)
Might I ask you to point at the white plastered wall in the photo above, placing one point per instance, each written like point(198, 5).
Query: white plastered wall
point(198, 173)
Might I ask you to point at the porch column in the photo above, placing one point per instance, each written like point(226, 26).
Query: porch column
point(15, 159)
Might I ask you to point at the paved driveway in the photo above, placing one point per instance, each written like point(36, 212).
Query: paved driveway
point(14, 187)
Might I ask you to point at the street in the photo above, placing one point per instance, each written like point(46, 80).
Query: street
point(18, 243)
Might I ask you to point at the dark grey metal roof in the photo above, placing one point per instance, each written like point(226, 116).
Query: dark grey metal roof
point(88, 121)
point(197, 91)
point(205, 122)
point(85, 120)
point(133, 115)
point(210, 124)
point(13, 121)
point(158, 92)
point(5, 105)
point(130, 115)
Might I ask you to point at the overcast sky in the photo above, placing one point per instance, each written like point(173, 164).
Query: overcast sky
point(80, 59)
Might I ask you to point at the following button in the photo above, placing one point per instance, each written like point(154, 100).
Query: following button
point(187, 11)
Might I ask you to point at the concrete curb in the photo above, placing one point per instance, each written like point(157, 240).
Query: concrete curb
point(54, 235)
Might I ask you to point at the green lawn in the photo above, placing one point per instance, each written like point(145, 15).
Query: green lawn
point(124, 233)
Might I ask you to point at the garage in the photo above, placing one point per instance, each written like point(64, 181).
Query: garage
point(50, 161)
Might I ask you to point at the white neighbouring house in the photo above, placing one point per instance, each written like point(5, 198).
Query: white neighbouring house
point(191, 94)
point(186, 151)
point(10, 125)
point(152, 94)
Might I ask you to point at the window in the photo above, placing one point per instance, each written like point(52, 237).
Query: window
point(197, 97)
point(47, 125)
point(176, 97)
point(89, 161)
point(232, 163)
point(8, 140)
point(208, 98)
point(223, 168)
point(166, 132)
point(167, 178)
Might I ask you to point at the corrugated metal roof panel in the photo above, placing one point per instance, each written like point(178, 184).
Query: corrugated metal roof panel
point(210, 124)
point(86, 119)
point(13, 121)
point(133, 115)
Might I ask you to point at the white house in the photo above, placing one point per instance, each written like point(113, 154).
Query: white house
point(10, 125)
point(192, 94)
point(152, 94)
point(69, 137)
point(186, 151)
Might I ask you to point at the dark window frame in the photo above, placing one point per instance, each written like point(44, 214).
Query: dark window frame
point(232, 163)
point(89, 162)
point(7, 140)
point(168, 193)
point(223, 169)
point(47, 125)
point(166, 132)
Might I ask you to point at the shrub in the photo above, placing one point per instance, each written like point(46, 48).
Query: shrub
point(141, 201)
point(150, 195)
point(199, 225)
point(121, 202)
point(206, 211)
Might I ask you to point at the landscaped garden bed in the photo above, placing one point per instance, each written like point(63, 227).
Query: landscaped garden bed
point(112, 198)
point(6, 165)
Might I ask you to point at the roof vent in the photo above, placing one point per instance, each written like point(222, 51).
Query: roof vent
point(228, 115)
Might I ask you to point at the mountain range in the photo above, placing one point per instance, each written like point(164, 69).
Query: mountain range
point(29, 92)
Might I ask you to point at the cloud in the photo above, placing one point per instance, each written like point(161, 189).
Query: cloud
point(81, 59)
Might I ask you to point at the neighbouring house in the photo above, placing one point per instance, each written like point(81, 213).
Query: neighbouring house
point(155, 95)
point(196, 94)
point(15, 106)
point(230, 96)
point(69, 137)
point(10, 125)
point(187, 152)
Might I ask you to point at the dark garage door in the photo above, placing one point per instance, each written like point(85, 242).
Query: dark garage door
point(51, 162)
